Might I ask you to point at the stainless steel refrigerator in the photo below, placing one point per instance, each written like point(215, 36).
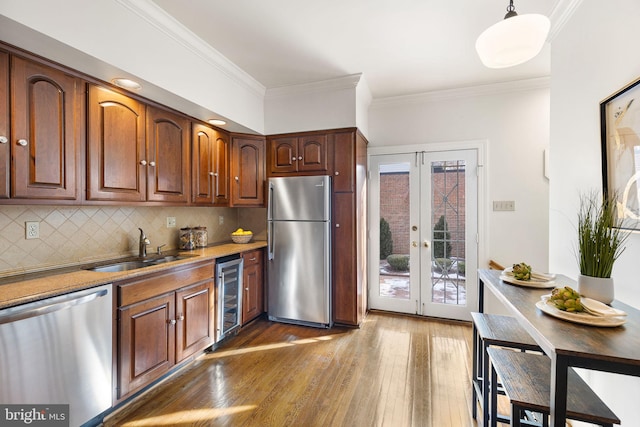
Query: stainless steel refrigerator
point(299, 247)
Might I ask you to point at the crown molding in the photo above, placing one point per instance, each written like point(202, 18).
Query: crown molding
point(329, 85)
point(562, 11)
point(466, 92)
point(158, 18)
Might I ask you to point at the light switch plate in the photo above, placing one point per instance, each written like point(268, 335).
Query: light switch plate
point(504, 205)
point(171, 222)
point(220, 220)
point(32, 230)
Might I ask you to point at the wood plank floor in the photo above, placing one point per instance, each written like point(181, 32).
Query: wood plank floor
point(394, 371)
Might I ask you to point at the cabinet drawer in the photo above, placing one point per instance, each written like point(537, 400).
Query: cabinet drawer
point(252, 257)
point(147, 287)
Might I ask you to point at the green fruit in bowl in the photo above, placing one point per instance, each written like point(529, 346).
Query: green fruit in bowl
point(522, 271)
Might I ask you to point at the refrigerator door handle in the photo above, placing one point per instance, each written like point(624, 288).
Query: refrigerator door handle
point(270, 202)
point(270, 243)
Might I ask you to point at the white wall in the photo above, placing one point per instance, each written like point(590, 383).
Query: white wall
point(514, 120)
point(593, 56)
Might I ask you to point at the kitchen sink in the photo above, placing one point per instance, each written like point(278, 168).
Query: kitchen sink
point(137, 263)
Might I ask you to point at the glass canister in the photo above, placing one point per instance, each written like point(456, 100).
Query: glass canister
point(187, 241)
point(200, 236)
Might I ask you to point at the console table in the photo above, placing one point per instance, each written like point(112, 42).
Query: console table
point(568, 344)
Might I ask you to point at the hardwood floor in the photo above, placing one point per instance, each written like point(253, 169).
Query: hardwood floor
point(394, 371)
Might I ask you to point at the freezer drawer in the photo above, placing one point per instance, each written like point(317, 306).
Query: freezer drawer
point(299, 273)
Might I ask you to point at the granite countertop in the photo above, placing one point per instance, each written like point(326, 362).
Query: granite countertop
point(24, 288)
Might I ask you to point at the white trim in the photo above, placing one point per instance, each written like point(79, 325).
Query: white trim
point(340, 83)
point(466, 92)
point(160, 19)
point(562, 11)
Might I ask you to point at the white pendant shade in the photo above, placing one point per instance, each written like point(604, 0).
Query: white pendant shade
point(513, 41)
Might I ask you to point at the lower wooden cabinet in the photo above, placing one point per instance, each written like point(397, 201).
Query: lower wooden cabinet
point(162, 319)
point(252, 282)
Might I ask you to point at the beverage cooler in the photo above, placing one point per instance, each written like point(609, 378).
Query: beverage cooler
point(229, 293)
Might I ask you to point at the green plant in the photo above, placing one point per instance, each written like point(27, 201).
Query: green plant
point(462, 267)
point(398, 262)
point(600, 238)
point(441, 239)
point(386, 242)
point(443, 264)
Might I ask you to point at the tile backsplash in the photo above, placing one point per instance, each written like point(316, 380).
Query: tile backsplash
point(77, 234)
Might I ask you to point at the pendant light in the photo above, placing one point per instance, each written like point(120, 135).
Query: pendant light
point(514, 40)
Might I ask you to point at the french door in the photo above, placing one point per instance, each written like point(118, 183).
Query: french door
point(423, 233)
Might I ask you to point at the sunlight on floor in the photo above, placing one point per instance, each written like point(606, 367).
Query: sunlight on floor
point(190, 416)
point(220, 354)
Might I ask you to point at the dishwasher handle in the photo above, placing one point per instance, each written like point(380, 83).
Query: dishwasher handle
point(50, 305)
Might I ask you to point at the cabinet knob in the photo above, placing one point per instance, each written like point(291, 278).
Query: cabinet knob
point(3, 139)
point(215, 173)
point(171, 321)
point(212, 174)
point(337, 173)
point(152, 164)
point(181, 317)
point(246, 289)
point(300, 158)
point(337, 225)
point(293, 159)
point(143, 162)
point(236, 178)
point(22, 142)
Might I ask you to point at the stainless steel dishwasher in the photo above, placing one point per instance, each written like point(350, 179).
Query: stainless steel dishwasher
point(59, 351)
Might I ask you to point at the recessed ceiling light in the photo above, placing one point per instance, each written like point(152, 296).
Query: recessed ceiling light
point(217, 122)
point(126, 84)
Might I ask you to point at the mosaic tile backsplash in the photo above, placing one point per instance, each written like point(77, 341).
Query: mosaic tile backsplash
point(79, 234)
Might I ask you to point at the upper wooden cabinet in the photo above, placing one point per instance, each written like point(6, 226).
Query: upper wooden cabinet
point(135, 153)
point(115, 147)
point(296, 153)
point(247, 171)
point(210, 165)
point(167, 156)
point(5, 155)
point(46, 106)
point(344, 165)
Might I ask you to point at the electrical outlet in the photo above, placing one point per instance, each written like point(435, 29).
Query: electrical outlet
point(32, 230)
point(504, 205)
point(220, 220)
point(171, 222)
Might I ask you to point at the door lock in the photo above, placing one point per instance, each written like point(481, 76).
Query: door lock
point(414, 244)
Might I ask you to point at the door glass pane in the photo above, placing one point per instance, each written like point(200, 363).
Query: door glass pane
point(448, 282)
point(394, 230)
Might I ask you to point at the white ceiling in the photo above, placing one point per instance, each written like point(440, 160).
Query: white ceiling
point(401, 46)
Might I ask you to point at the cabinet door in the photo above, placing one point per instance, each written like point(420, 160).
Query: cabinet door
point(167, 160)
point(116, 167)
point(345, 288)
point(45, 123)
point(252, 301)
point(202, 165)
point(221, 149)
point(313, 153)
point(5, 157)
point(146, 342)
point(247, 170)
point(344, 162)
point(283, 155)
point(195, 319)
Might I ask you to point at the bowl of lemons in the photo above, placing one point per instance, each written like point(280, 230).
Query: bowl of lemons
point(241, 236)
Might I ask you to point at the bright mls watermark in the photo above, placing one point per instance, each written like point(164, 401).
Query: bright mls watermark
point(34, 415)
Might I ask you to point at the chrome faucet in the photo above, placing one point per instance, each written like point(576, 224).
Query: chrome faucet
point(142, 246)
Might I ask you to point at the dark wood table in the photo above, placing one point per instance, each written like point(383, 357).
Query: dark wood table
point(568, 344)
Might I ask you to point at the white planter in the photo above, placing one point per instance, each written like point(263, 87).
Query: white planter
point(597, 288)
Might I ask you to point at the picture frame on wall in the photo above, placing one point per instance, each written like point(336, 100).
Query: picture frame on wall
point(620, 146)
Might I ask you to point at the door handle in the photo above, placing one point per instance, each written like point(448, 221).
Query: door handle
point(425, 243)
point(414, 244)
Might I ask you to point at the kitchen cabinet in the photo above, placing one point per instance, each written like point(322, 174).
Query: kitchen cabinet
point(167, 156)
point(116, 165)
point(46, 122)
point(5, 155)
point(136, 153)
point(163, 318)
point(293, 154)
point(252, 281)
point(210, 166)
point(349, 229)
point(247, 171)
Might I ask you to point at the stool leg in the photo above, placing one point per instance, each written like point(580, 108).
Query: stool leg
point(474, 375)
point(485, 386)
point(515, 416)
point(493, 394)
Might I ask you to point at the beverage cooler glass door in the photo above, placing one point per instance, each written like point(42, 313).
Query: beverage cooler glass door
point(229, 276)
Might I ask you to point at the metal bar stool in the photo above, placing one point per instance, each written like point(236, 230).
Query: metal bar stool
point(493, 330)
point(526, 379)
